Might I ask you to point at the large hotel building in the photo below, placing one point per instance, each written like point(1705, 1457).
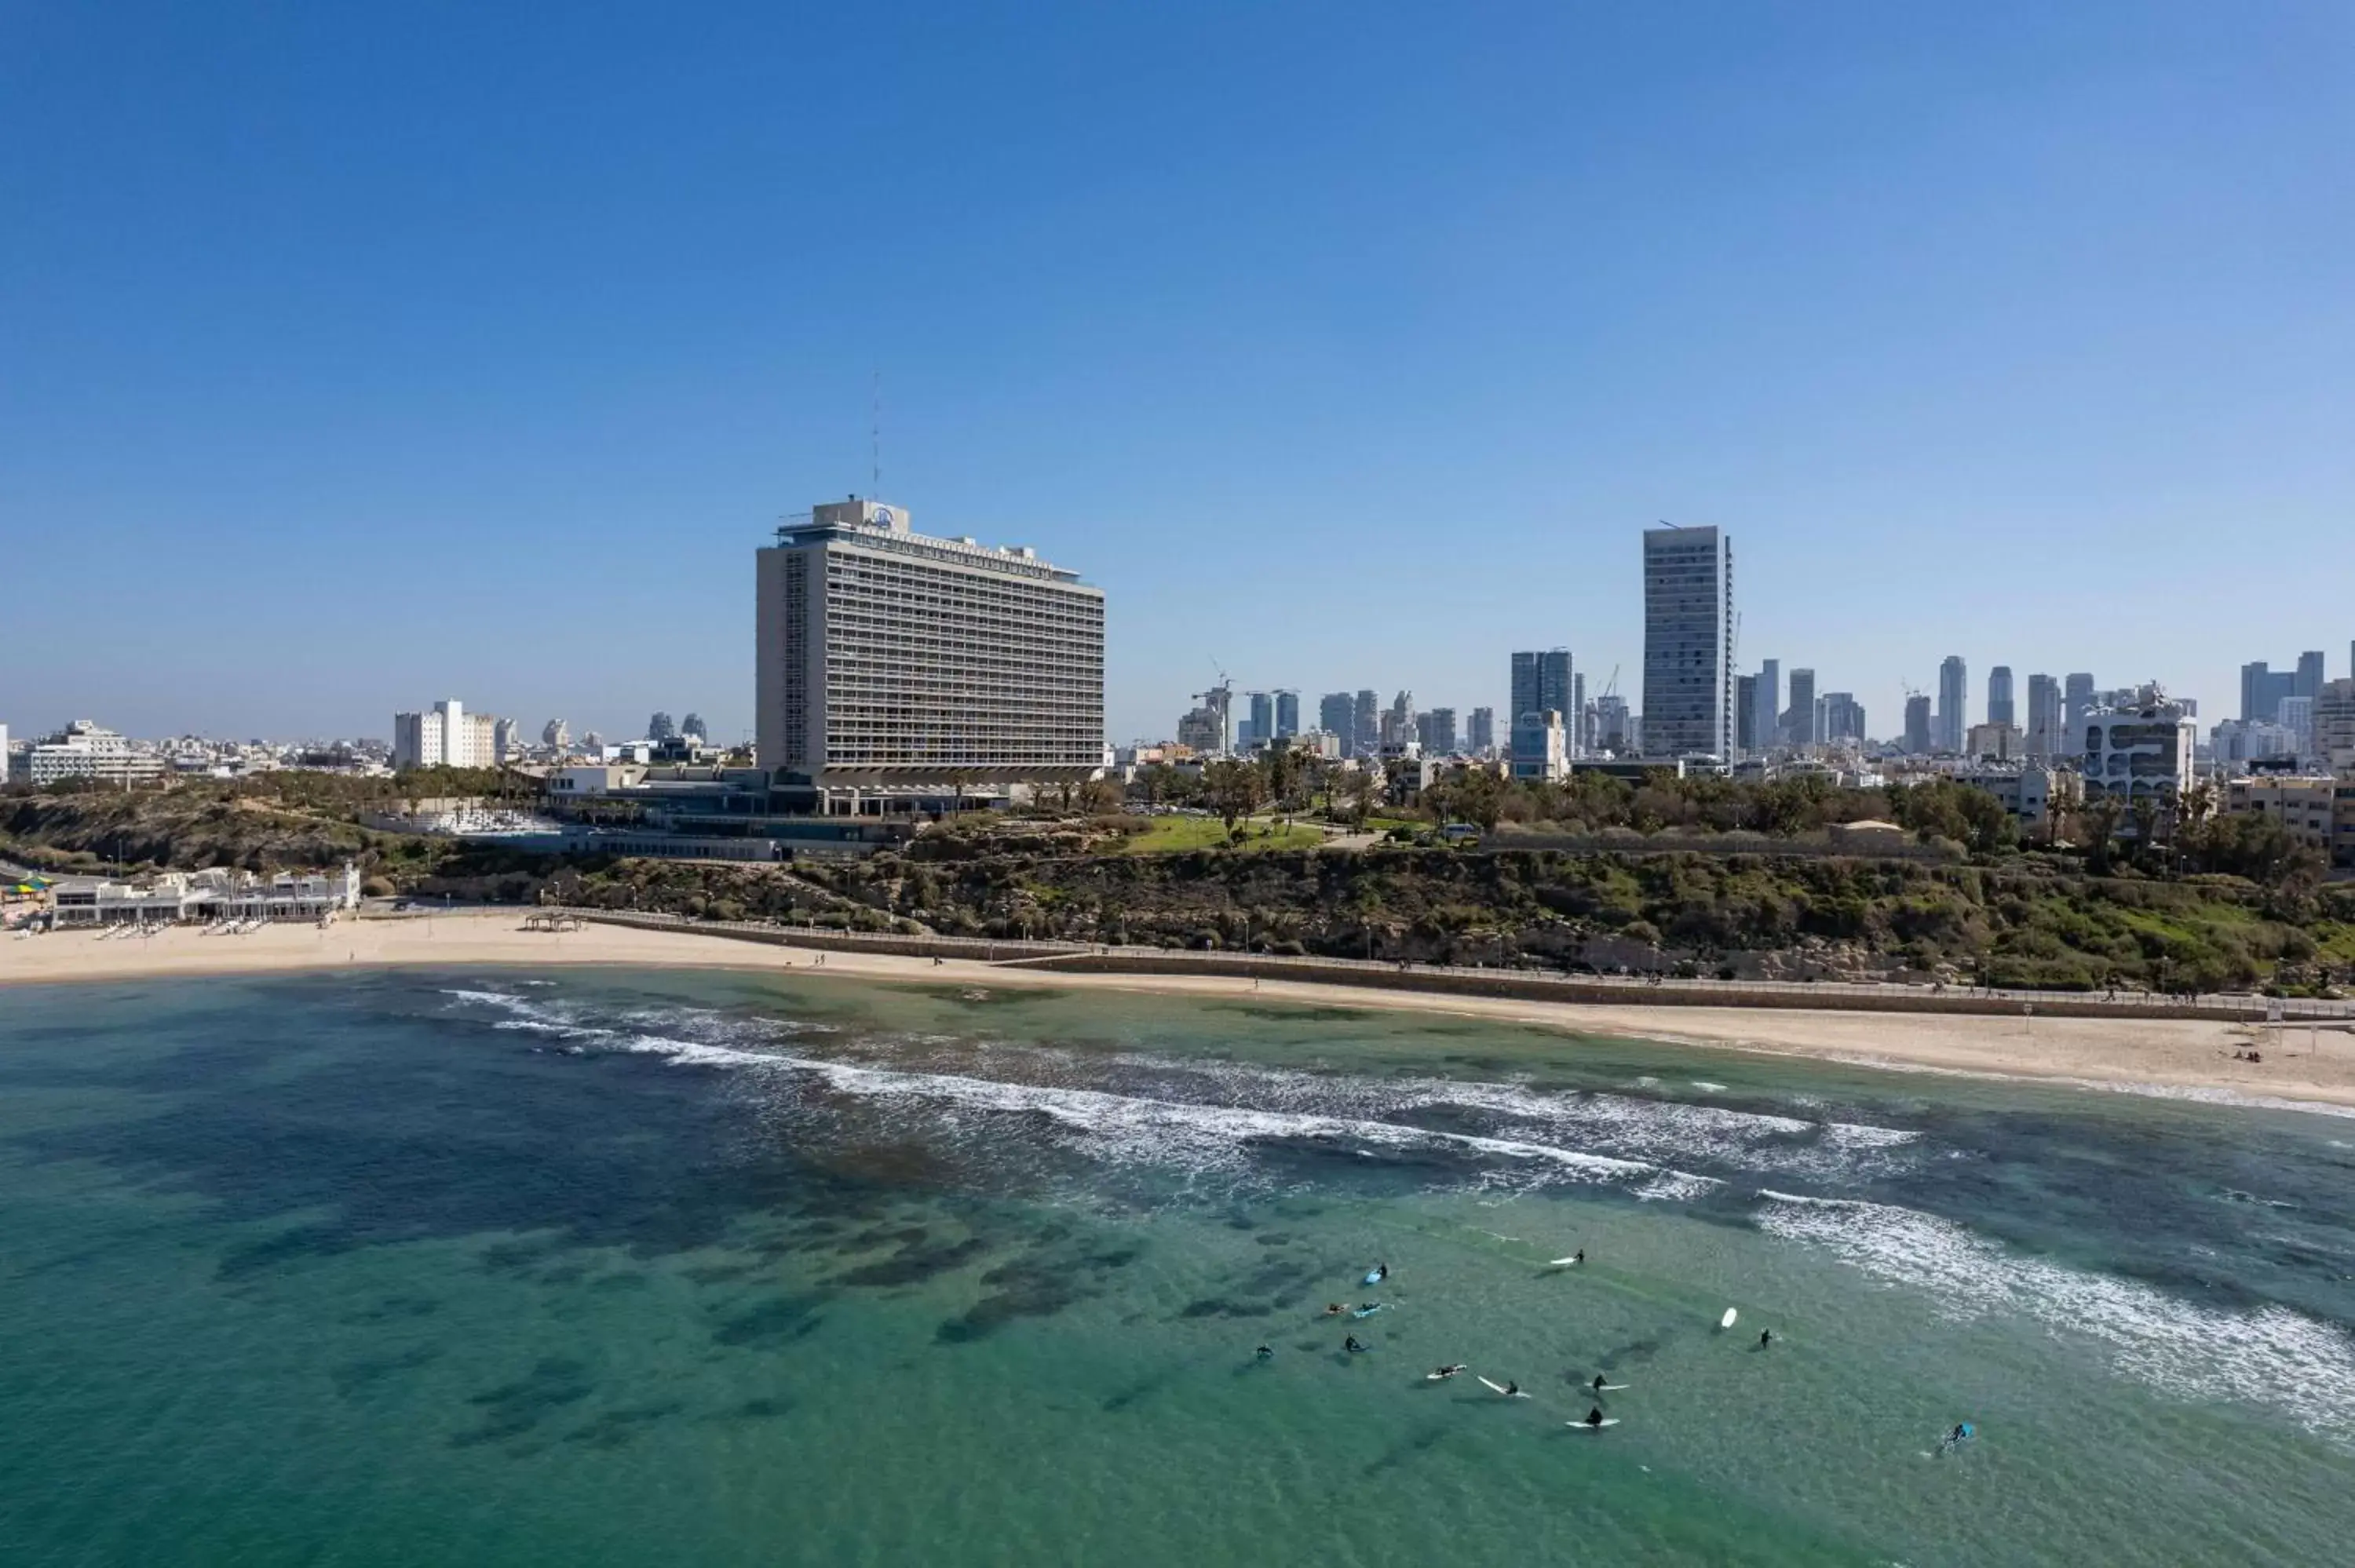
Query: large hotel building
point(893, 666)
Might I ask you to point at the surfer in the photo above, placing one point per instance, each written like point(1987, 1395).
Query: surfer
point(1351, 1345)
point(1598, 1384)
point(1961, 1435)
point(1594, 1417)
point(1447, 1371)
point(1765, 1338)
point(1381, 1272)
point(1265, 1352)
point(1512, 1389)
point(1578, 1256)
point(1334, 1309)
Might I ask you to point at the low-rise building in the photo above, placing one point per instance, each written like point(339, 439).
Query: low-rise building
point(2305, 805)
point(84, 749)
point(2029, 790)
point(1869, 837)
point(219, 894)
point(1999, 742)
point(1541, 749)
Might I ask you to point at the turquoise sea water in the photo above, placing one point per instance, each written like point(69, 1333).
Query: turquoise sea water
point(510, 1267)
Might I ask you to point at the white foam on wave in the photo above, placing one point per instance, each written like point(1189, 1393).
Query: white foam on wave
point(2296, 1363)
point(1118, 1127)
point(1630, 1127)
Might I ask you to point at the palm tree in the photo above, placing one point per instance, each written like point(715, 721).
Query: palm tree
point(2101, 820)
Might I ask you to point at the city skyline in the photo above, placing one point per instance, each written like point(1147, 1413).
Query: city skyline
point(1932, 380)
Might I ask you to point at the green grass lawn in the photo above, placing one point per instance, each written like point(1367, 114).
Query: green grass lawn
point(1173, 835)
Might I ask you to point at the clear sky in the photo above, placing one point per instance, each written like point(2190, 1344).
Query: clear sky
point(352, 356)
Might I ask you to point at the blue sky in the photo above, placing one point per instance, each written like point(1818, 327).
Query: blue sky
point(353, 356)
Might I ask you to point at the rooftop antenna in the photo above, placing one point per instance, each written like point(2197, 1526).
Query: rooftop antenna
point(875, 437)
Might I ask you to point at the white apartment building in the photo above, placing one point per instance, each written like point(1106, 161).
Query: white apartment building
point(4, 754)
point(84, 749)
point(2142, 749)
point(890, 664)
point(446, 735)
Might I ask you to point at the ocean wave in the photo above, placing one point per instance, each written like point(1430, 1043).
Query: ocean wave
point(1110, 1125)
point(2299, 1364)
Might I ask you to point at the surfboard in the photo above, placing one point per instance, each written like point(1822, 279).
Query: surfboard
point(1564, 1263)
point(1500, 1388)
point(1373, 1276)
point(1441, 1377)
point(1727, 1322)
point(1610, 1388)
point(1592, 1426)
point(1368, 1311)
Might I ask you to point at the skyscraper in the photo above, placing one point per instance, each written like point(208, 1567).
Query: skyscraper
point(1800, 722)
point(2045, 726)
point(886, 660)
point(1480, 732)
point(2334, 724)
point(1435, 728)
point(2308, 681)
point(1954, 702)
point(1765, 721)
point(1745, 714)
point(1366, 721)
point(1687, 642)
point(1287, 713)
point(1612, 724)
point(2262, 690)
point(1999, 708)
point(1578, 722)
point(1917, 724)
point(1336, 712)
point(1842, 717)
point(1398, 720)
point(2076, 702)
point(1541, 683)
point(1258, 728)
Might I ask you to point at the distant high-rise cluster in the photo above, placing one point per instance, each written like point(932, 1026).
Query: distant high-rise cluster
point(1698, 710)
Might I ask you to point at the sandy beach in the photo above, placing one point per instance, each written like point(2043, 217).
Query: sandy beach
point(2165, 1054)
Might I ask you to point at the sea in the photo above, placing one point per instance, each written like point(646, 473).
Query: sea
point(505, 1267)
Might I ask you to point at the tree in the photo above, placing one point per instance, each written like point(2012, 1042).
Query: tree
point(1282, 765)
point(1358, 787)
point(1479, 797)
point(1234, 791)
point(2100, 819)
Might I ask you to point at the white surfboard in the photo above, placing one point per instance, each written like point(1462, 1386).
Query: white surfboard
point(1564, 1263)
point(1727, 1322)
point(1610, 1388)
point(1508, 1392)
point(1592, 1426)
point(1441, 1377)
